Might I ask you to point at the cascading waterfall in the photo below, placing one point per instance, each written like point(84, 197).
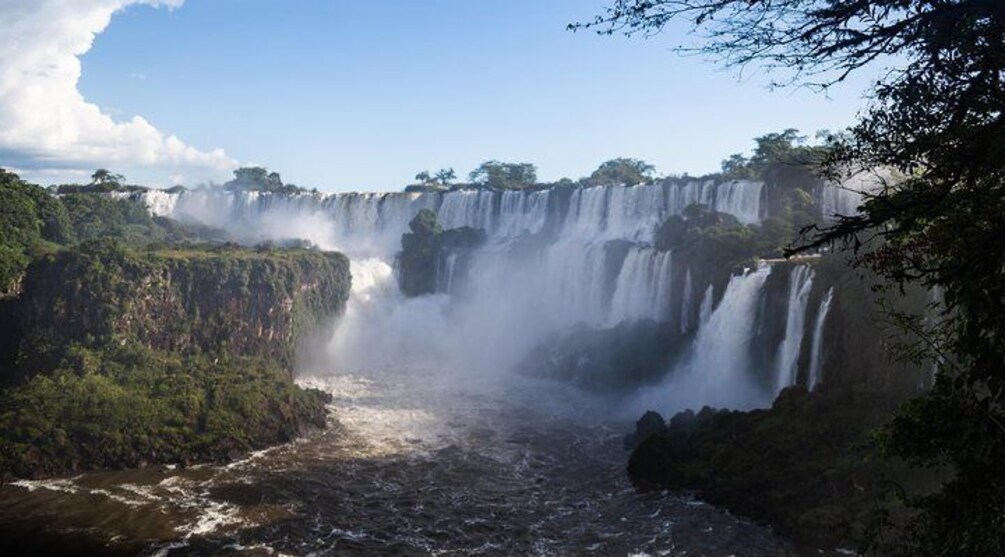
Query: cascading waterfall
point(706, 306)
point(718, 372)
point(816, 350)
point(370, 225)
point(642, 290)
point(722, 348)
point(445, 273)
point(800, 282)
point(843, 198)
point(594, 213)
point(594, 263)
point(685, 306)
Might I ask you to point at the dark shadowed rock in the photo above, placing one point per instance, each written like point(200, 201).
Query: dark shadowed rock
point(651, 423)
point(623, 357)
point(426, 247)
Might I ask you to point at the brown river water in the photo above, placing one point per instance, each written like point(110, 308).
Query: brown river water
point(413, 464)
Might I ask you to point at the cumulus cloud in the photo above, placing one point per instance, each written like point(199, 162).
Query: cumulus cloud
point(46, 125)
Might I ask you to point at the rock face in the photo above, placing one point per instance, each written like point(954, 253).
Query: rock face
point(225, 301)
point(806, 465)
point(622, 357)
point(651, 423)
point(428, 253)
point(126, 358)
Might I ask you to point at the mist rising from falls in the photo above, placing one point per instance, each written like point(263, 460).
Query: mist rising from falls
point(718, 372)
point(586, 257)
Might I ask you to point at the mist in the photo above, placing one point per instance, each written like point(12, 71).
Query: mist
point(553, 261)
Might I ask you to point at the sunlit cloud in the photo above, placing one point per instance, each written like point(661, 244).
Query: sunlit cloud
point(47, 128)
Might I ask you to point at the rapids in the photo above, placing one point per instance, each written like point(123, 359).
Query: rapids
point(420, 462)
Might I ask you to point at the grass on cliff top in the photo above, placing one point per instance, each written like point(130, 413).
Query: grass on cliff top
point(229, 250)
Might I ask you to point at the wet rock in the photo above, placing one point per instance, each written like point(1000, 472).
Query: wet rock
point(620, 358)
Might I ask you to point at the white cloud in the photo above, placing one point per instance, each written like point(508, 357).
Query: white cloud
point(46, 125)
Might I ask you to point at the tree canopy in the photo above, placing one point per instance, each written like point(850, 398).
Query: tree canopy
point(442, 177)
point(622, 171)
point(937, 119)
point(504, 175)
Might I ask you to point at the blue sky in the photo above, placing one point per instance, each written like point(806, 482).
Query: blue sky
point(346, 95)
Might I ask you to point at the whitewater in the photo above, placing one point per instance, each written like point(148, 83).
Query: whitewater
point(437, 445)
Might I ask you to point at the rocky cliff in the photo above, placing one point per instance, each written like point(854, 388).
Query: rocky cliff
point(126, 358)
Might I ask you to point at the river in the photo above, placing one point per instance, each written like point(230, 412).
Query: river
point(415, 462)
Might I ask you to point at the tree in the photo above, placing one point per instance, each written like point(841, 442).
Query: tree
point(779, 157)
point(103, 176)
point(255, 178)
point(504, 175)
point(736, 166)
point(104, 180)
point(622, 171)
point(939, 121)
point(445, 175)
point(423, 177)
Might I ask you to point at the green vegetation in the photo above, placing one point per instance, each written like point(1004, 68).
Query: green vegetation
point(775, 155)
point(504, 175)
point(807, 465)
point(717, 244)
point(181, 300)
point(424, 247)
point(442, 177)
point(141, 344)
point(129, 406)
point(937, 122)
point(33, 221)
point(102, 181)
point(621, 172)
point(30, 220)
point(256, 178)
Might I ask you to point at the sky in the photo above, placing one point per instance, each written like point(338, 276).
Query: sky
point(347, 95)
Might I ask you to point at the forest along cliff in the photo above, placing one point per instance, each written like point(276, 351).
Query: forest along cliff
point(123, 354)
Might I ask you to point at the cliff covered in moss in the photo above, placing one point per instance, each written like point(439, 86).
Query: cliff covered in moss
point(223, 300)
point(124, 357)
point(428, 258)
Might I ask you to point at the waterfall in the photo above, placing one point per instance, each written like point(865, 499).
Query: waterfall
point(595, 266)
point(706, 306)
point(741, 199)
point(580, 287)
point(843, 198)
point(685, 306)
point(816, 351)
point(445, 273)
point(376, 220)
point(719, 373)
point(787, 360)
point(642, 290)
point(574, 282)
